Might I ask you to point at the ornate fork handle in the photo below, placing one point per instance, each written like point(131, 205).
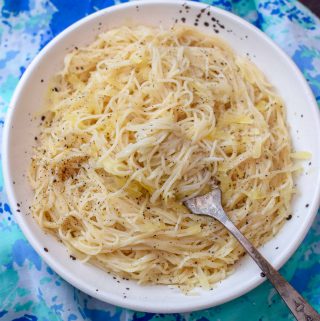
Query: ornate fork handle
point(296, 303)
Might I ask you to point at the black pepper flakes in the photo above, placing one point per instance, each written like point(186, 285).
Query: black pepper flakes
point(206, 23)
point(307, 205)
point(73, 257)
point(288, 218)
point(183, 19)
point(262, 274)
point(45, 249)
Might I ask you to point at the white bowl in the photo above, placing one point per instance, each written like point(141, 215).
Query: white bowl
point(20, 130)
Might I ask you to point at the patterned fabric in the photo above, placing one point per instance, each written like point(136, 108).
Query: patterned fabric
point(29, 289)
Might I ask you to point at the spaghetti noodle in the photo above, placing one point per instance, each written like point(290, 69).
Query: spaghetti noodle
point(142, 119)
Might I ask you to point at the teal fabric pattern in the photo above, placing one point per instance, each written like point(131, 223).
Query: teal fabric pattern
point(29, 289)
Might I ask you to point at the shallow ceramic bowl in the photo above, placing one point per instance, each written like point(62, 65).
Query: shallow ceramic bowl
point(302, 115)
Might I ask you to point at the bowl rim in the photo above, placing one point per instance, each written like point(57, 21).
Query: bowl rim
point(132, 303)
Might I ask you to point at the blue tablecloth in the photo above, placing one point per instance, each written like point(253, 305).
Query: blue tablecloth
point(29, 289)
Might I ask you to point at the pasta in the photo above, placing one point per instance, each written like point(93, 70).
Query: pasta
point(142, 119)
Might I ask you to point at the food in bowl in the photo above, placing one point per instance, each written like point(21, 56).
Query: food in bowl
point(142, 119)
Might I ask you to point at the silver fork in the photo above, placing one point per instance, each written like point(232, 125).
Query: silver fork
point(210, 205)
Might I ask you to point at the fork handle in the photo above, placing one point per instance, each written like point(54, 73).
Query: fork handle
point(295, 302)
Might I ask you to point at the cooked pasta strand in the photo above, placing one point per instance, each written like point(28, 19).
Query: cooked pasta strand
point(142, 119)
